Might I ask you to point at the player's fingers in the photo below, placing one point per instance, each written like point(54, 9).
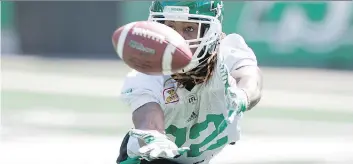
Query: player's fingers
point(170, 153)
point(155, 153)
point(144, 136)
point(137, 133)
point(145, 149)
point(145, 157)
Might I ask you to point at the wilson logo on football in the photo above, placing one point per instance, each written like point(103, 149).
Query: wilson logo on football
point(141, 47)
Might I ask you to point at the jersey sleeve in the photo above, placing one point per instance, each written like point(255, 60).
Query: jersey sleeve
point(139, 89)
point(236, 53)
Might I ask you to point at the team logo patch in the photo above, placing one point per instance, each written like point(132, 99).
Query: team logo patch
point(170, 96)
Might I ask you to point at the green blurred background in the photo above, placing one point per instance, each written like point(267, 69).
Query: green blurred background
point(296, 34)
point(61, 81)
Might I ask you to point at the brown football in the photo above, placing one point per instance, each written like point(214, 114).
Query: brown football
point(151, 48)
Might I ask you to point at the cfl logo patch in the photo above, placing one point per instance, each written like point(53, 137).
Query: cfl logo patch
point(192, 99)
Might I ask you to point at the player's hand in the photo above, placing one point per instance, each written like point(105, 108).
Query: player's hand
point(236, 98)
point(157, 145)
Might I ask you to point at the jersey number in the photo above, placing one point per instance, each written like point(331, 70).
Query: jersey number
point(195, 132)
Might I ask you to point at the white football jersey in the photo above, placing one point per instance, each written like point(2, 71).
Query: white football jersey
point(198, 118)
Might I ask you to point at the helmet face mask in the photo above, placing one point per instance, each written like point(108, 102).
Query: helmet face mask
point(207, 14)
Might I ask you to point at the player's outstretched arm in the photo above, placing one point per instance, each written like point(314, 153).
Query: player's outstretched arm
point(242, 64)
point(147, 139)
point(149, 130)
point(149, 116)
point(249, 78)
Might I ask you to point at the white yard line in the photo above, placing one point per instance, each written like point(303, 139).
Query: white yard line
point(111, 87)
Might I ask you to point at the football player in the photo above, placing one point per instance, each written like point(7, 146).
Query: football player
point(190, 116)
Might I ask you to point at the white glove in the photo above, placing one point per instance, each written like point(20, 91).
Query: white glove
point(236, 98)
point(157, 145)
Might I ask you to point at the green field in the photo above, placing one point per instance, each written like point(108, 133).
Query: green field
point(48, 110)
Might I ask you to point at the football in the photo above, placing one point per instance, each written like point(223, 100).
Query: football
point(151, 48)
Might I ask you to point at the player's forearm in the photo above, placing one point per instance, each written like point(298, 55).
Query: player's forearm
point(149, 117)
point(249, 78)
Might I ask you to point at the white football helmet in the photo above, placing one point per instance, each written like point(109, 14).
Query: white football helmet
point(207, 13)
